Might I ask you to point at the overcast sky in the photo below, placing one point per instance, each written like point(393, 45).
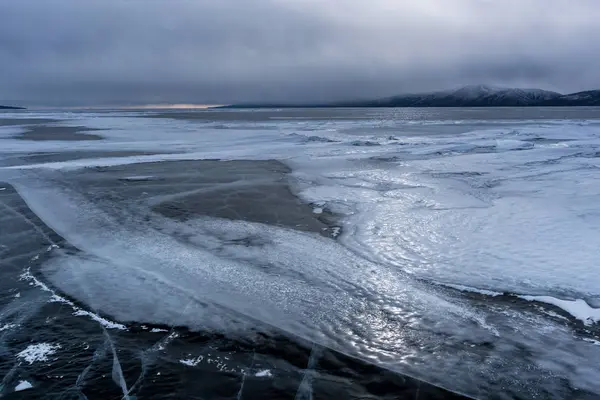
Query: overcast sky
point(222, 51)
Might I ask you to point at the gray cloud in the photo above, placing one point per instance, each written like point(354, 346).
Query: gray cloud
point(111, 51)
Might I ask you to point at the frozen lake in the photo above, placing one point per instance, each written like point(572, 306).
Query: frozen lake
point(455, 246)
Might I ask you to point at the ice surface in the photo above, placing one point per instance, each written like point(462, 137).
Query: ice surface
point(471, 289)
point(23, 385)
point(476, 205)
point(137, 178)
point(38, 352)
point(60, 299)
point(482, 219)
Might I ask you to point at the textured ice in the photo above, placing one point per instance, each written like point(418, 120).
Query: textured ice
point(137, 178)
point(471, 289)
point(55, 298)
point(483, 220)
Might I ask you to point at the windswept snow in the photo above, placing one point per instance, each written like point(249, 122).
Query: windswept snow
point(39, 352)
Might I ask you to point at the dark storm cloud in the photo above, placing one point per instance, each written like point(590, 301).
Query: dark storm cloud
point(69, 51)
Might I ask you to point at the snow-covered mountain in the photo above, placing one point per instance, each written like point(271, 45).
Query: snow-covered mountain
point(466, 96)
point(587, 98)
point(471, 96)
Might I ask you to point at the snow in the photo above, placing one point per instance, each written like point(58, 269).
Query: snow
point(192, 362)
point(474, 91)
point(577, 308)
point(102, 321)
point(157, 330)
point(38, 352)
point(7, 327)
point(265, 373)
point(23, 385)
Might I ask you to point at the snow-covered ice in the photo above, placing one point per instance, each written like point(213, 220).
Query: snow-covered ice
point(23, 385)
point(577, 308)
point(265, 373)
point(7, 327)
point(39, 352)
point(192, 362)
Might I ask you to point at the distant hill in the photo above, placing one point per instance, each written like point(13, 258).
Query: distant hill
point(470, 96)
point(10, 108)
point(467, 96)
point(587, 98)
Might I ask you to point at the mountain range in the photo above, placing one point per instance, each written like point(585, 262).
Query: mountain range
point(10, 108)
point(467, 96)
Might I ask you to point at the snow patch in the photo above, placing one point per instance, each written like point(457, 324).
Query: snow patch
point(156, 330)
point(7, 327)
point(318, 210)
point(23, 385)
point(577, 308)
point(102, 321)
point(192, 362)
point(265, 373)
point(38, 352)
point(335, 231)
